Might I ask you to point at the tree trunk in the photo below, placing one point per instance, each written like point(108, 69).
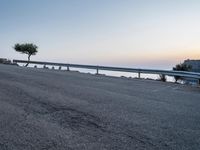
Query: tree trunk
point(28, 60)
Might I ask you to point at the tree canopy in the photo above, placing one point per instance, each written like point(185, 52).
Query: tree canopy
point(28, 48)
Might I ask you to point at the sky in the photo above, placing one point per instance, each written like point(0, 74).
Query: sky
point(130, 33)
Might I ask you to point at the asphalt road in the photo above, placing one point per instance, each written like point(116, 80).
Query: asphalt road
point(59, 110)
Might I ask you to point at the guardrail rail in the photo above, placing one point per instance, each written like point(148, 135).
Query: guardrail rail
point(184, 74)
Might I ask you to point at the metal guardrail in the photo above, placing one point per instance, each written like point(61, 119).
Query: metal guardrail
point(184, 74)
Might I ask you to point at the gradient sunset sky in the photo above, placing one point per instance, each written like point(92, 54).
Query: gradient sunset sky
point(131, 33)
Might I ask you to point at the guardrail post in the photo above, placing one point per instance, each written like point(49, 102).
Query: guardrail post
point(97, 71)
point(68, 68)
point(138, 74)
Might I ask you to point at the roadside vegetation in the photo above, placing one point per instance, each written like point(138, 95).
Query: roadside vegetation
point(162, 78)
point(181, 67)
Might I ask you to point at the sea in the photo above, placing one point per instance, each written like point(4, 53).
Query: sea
point(111, 73)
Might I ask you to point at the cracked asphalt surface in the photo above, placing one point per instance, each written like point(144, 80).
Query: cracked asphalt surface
point(59, 110)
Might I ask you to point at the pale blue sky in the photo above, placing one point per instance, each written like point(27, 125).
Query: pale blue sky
point(133, 33)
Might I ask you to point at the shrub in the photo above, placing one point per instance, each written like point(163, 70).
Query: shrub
point(181, 67)
point(162, 77)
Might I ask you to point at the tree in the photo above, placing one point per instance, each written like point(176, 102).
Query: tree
point(181, 67)
point(27, 48)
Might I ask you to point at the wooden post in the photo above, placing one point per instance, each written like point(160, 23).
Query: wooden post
point(68, 68)
point(198, 82)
